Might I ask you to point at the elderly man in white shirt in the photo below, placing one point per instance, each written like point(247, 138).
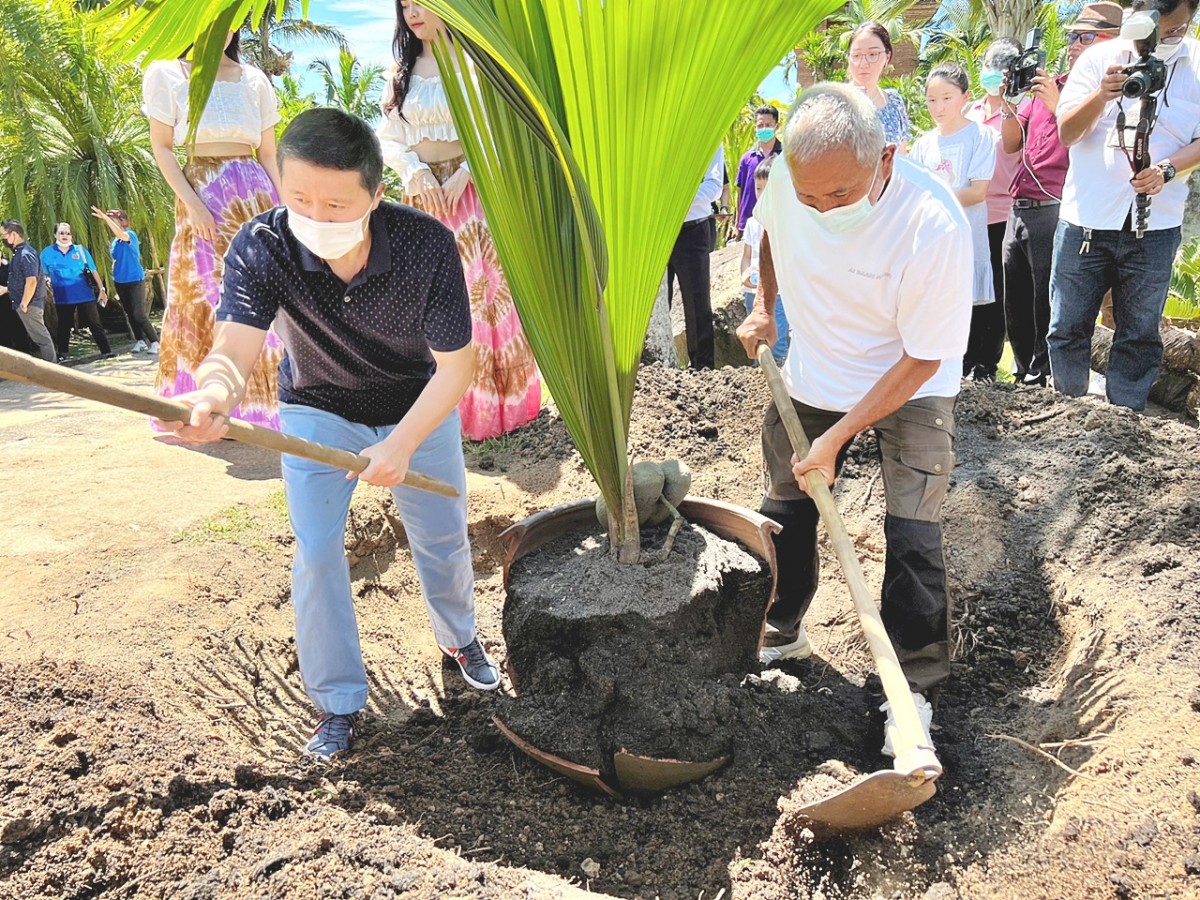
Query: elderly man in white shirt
point(689, 264)
point(872, 258)
point(1098, 245)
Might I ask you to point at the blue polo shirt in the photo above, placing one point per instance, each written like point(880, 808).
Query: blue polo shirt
point(127, 259)
point(24, 264)
point(360, 351)
point(67, 273)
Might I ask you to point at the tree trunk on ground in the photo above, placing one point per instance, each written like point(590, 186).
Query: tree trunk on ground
point(1178, 385)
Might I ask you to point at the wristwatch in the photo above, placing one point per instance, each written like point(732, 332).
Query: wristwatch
point(1168, 170)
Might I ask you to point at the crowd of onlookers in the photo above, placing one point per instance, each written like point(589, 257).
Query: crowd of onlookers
point(65, 273)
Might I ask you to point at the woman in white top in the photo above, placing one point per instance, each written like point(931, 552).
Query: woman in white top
point(420, 142)
point(229, 178)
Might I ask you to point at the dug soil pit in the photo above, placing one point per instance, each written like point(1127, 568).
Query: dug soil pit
point(609, 657)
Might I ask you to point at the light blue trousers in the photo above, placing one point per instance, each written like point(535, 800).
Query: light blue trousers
point(318, 500)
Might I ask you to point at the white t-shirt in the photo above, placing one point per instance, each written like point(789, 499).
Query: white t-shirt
point(960, 158)
point(1097, 192)
point(752, 237)
point(858, 301)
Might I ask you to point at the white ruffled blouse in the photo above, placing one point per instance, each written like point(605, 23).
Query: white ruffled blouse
point(237, 112)
point(428, 118)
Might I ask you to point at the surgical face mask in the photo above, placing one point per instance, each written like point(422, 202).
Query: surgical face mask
point(844, 219)
point(1166, 52)
point(764, 134)
point(991, 81)
point(64, 239)
point(328, 240)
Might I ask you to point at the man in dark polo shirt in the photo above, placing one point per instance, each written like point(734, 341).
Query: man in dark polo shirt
point(1037, 194)
point(370, 301)
point(27, 288)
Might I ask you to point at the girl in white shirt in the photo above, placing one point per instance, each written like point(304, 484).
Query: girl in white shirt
point(229, 178)
point(420, 142)
point(964, 154)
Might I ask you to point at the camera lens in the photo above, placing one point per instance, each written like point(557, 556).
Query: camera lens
point(1136, 85)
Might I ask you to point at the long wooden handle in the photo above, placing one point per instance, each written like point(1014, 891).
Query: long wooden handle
point(20, 367)
point(909, 742)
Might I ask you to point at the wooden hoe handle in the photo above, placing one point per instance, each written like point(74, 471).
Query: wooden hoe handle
point(912, 754)
point(20, 367)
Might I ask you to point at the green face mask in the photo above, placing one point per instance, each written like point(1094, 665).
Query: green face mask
point(764, 134)
point(991, 81)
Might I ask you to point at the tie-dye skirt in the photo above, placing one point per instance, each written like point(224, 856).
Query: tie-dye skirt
point(235, 190)
point(506, 392)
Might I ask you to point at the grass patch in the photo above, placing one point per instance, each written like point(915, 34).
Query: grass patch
point(252, 527)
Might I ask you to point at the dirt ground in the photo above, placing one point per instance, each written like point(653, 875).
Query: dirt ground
point(154, 709)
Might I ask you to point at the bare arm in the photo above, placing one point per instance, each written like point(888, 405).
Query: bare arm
point(975, 192)
point(759, 327)
point(162, 140)
point(30, 290)
point(221, 379)
point(268, 159)
point(118, 232)
point(895, 388)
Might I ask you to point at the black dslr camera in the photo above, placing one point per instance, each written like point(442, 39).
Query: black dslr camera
point(1025, 69)
point(1149, 74)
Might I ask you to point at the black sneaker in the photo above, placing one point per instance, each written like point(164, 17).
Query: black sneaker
point(332, 736)
point(477, 667)
point(108, 355)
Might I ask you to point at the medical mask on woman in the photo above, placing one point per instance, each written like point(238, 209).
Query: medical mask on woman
point(764, 134)
point(844, 219)
point(328, 240)
point(991, 81)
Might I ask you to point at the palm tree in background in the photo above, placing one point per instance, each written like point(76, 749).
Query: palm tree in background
point(70, 134)
point(281, 24)
point(292, 102)
point(351, 85)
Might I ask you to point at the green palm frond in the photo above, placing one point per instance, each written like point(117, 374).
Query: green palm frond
point(1183, 295)
point(350, 85)
point(584, 188)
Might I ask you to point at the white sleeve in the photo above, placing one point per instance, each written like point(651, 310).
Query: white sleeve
point(983, 156)
point(397, 154)
point(936, 286)
point(714, 181)
point(158, 98)
point(753, 232)
point(1086, 75)
point(268, 103)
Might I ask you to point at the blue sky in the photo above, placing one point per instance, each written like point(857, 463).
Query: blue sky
point(368, 26)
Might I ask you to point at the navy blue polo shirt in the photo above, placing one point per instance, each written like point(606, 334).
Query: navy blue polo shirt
point(360, 351)
point(25, 263)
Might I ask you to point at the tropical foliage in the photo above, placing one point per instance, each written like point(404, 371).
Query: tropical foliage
point(262, 43)
point(293, 100)
point(351, 85)
point(1183, 296)
point(70, 134)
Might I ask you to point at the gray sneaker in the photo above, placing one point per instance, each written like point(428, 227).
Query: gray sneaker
point(477, 667)
point(332, 736)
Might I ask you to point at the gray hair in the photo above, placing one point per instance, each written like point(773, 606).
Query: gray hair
point(1001, 53)
point(830, 116)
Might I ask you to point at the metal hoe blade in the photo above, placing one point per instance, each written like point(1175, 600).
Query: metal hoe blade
point(868, 803)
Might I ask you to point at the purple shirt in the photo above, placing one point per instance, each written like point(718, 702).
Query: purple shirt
point(747, 195)
point(1044, 154)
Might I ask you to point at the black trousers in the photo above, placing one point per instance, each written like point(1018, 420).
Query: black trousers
point(985, 346)
point(1028, 254)
point(133, 296)
point(88, 314)
point(689, 264)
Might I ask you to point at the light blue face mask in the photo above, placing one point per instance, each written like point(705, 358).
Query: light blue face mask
point(844, 219)
point(764, 134)
point(992, 81)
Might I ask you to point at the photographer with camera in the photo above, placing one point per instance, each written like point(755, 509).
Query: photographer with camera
point(1130, 114)
point(1036, 190)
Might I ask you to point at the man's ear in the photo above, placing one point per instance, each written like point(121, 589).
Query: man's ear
point(379, 192)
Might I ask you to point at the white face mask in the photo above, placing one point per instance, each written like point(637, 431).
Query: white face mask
point(1166, 52)
point(64, 241)
point(844, 219)
point(328, 240)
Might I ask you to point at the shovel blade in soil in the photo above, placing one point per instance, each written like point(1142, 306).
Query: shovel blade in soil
point(869, 803)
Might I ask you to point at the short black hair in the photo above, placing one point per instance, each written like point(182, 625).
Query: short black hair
point(334, 139)
point(1164, 7)
point(767, 111)
point(763, 169)
point(12, 226)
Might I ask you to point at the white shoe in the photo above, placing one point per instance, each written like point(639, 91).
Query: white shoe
point(799, 648)
point(154, 348)
point(139, 347)
point(924, 713)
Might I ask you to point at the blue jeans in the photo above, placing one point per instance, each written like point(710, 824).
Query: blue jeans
point(318, 500)
point(779, 351)
point(1139, 273)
